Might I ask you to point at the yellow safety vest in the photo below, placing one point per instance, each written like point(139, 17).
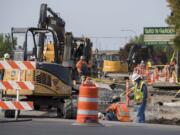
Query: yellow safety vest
point(149, 64)
point(138, 94)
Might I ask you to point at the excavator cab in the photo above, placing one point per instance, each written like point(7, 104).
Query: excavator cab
point(49, 54)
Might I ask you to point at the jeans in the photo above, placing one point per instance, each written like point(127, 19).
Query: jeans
point(111, 116)
point(140, 116)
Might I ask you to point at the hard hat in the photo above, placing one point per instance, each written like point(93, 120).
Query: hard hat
point(135, 76)
point(142, 62)
point(6, 56)
point(82, 57)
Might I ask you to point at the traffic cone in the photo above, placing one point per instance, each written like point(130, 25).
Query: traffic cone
point(87, 113)
point(152, 78)
point(156, 74)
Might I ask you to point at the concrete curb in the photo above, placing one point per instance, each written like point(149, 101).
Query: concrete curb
point(13, 120)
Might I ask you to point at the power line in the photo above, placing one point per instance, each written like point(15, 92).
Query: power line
point(111, 37)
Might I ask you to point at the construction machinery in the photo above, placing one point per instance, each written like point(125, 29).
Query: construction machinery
point(70, 48)
point(55, 62)
point(110, 65)
point(138, 53)
point(53, 82)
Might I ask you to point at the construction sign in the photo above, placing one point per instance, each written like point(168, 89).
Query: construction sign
point(159, 35)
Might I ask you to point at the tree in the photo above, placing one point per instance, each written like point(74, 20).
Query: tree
point(174, 19)
point(6, 44)
point(123, 52)
point(138, 39)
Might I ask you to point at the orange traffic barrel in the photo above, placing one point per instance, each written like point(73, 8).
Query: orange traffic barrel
point(87, 104)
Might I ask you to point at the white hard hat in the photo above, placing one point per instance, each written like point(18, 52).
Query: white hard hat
point(82, 57)
point(135, 76)
point(6, 56)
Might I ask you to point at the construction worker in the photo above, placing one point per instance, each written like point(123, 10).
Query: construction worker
point(172, 70)
point(82, 67)
point(117, 111)
point(140, 97)
point(142, 65)
point(165, 72)
point(143, 68)
point(6, 56)
point(149, 65)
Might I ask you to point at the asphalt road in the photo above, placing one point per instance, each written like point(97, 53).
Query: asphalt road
point(54, 126)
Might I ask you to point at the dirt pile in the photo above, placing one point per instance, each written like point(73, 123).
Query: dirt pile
point(174, 121)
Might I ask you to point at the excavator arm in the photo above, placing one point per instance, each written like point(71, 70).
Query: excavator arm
point(49, 19)
point(138, 53)
point(68, 50)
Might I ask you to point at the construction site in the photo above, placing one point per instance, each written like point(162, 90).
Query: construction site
point(50, 76)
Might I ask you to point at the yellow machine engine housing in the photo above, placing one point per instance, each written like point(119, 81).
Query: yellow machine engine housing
point(46, 84)
point(115, 66)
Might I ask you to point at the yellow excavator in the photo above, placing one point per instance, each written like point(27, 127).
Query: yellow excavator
point(113, 67)
point(112, 64)
point(55, 63)
point(53, 81)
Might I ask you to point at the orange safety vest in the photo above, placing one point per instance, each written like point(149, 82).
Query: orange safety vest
point(122, 112)
point(79, 65)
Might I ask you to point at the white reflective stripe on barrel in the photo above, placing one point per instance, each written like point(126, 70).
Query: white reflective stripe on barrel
point(87, 112)
point(84, 99)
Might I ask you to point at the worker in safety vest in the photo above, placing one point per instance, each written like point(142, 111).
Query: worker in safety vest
point(6, 57)
point(149, 65)
point(140, 97)
point(142, 67)
point(82, 68)
point(173, 70)
point(117, 111)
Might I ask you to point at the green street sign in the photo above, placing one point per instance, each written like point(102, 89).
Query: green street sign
point(159, 35)
point(159, 30)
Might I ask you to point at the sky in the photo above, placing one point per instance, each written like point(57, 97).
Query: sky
point(109, 23)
